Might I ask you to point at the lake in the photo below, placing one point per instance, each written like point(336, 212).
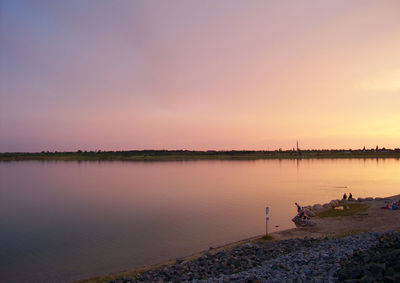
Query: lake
point(62, 221)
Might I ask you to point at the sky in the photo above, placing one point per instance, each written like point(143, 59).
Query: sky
point(199, 75)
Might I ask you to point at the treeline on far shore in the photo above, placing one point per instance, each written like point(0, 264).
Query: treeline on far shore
point(176, 155)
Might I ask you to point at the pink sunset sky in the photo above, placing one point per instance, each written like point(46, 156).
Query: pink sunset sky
point(121, 75)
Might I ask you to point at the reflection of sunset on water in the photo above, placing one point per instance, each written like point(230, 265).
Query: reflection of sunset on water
point(160, 210)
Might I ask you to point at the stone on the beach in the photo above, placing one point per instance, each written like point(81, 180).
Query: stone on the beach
point(179, 260)
point(248, 245)
point(360, 199)
point(327, 205)
point(309, 213)
point(333, 203)
point(369, 199)
point(302, 222)
point(317, 207)
point(378, 199)
point(367, 257)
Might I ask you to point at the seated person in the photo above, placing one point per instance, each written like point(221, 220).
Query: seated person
point(302, 214)
point(298, 208)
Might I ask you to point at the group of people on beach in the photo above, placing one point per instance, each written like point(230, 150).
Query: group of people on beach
point(348, 198)
point(395, 205)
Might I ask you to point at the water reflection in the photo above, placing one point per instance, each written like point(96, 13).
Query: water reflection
point(66, 220)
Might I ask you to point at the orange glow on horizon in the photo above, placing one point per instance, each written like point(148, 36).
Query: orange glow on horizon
point(219, 76)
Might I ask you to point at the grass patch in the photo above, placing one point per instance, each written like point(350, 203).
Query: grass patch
point(267, 238)
point(345, 210)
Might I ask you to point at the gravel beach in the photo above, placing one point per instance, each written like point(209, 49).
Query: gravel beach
point(328, 259)
point(364, 247)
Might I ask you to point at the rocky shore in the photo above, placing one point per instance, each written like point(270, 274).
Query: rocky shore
point(367, 257)
point(380, 263)
point(356, 248)
point(313, 210)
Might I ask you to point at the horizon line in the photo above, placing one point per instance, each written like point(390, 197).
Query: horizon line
point(207, 150)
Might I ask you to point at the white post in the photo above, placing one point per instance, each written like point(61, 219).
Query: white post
point(266, 220)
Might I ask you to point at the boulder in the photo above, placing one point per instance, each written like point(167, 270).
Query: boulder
point(360, 199)
point(302, 222)
point(248, 245)
point(317, 207)
point(333, 203)
point(327, 205)
point(369, 199)
point(309, 213)
point(378, 199)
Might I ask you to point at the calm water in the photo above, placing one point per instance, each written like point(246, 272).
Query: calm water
point(62, 221)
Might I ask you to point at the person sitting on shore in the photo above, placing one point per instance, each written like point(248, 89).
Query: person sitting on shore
point(298, 208)
point(345, 196)
point(394, 205)
point(350, 196)
point(301, 212)
point(303, 215)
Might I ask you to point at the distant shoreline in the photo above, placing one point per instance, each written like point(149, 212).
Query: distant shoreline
point(186, 155)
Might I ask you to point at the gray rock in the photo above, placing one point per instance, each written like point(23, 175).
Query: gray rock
point(309, 213)
point(364, 257)
point(333, 203)
point(326, 205)
point(366, 279)
point(317, 207)
point(247, 245)
point(388, 279)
